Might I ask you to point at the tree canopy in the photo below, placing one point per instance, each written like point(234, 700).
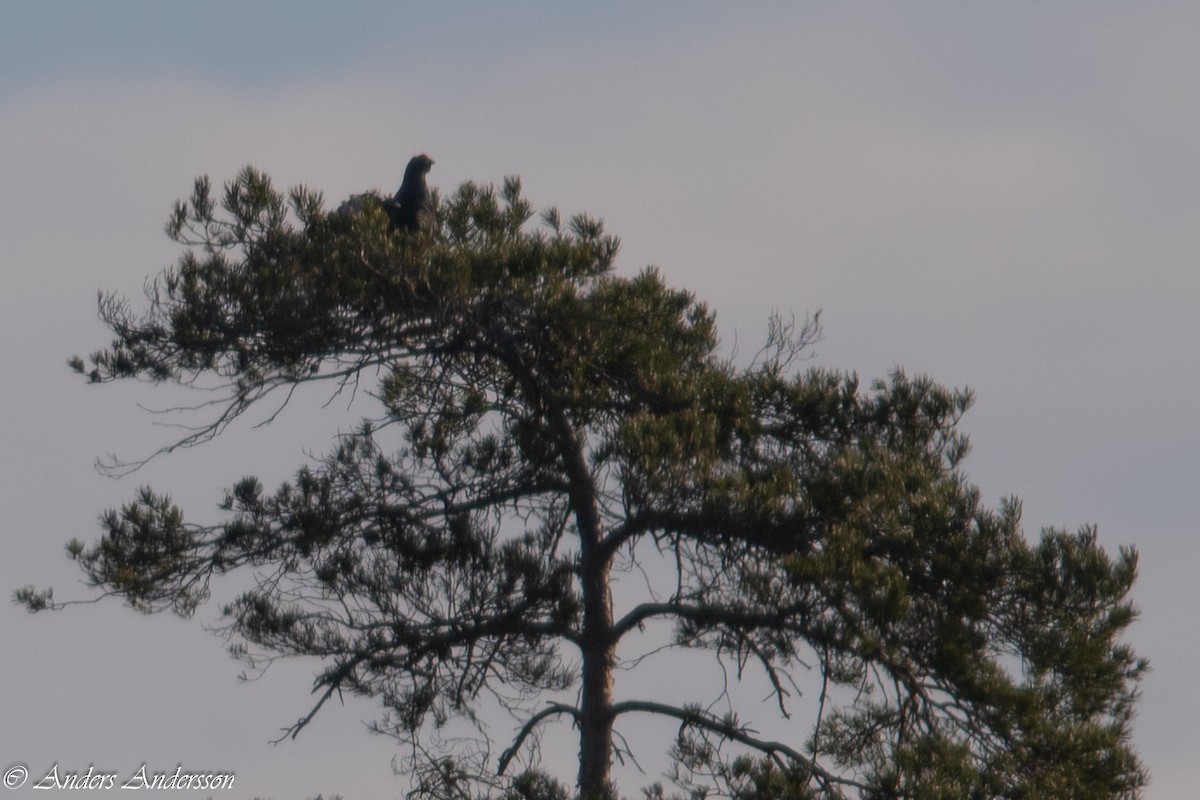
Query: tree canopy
point(540, 423)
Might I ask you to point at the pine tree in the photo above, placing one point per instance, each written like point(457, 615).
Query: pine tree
point(543, 422)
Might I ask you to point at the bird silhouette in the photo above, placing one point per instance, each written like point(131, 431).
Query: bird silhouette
point(412, 198)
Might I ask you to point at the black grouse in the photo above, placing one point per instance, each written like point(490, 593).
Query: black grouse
point(412, 198)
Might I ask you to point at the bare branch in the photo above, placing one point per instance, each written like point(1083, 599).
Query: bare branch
point(549, 711)
point(696, 717)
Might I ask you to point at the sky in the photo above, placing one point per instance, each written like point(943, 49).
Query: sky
point(1002, 197)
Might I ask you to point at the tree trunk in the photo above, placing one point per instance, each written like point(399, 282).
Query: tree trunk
point(597, 643)
point(596, 702)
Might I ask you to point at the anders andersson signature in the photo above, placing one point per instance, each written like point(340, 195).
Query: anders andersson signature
point(140, 778)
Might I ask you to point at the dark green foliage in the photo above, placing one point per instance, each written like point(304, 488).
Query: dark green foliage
point(545, 422)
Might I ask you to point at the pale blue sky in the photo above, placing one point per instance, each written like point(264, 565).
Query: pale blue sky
point(1003, 197)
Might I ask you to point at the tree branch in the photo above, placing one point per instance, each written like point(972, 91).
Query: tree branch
point(694, 716)
point(527, 728)
point(333, 684)
point(733, 618)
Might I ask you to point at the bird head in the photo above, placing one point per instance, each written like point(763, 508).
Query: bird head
point(421, 163)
